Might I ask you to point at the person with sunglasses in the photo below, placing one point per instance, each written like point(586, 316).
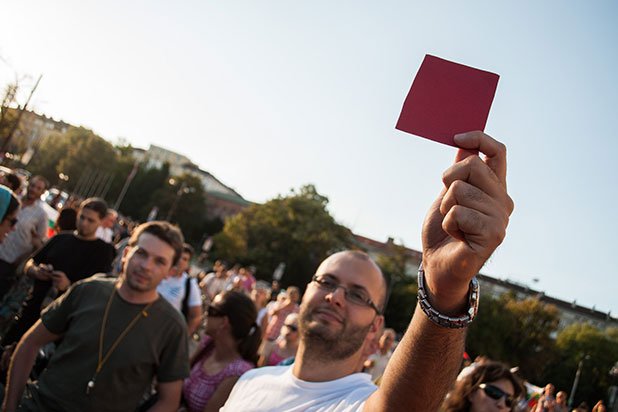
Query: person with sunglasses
point(342, 310)
point(228, 350)
point(9, 206)
point(490, 387)
point(285, 347)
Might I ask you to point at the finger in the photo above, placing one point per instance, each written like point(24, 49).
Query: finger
point(480, 232)
point(493, 149)
point(465, 194)
point(476, 172)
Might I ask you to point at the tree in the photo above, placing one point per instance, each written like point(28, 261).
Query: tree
point(517, 332)
point(296, 229)
point(598, 349)
point(73, 153)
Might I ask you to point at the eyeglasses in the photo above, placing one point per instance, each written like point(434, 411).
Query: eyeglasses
point(13, 221)
point(496, 393)
point(293, 328)
point(214, 312)
point(355, 295)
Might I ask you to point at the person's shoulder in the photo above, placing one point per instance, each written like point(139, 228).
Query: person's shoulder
point(169, 312)
point(265, 372)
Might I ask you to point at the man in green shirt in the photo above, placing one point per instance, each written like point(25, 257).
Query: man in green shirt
point(116, 337)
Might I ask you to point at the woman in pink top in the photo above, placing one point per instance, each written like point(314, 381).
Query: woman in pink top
point(228, 350)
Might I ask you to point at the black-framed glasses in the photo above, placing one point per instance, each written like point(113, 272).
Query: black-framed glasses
point(214, 312)
point(293, 328)
point(496, 393)
point(355, 295)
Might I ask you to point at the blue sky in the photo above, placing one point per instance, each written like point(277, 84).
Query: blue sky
point(272, 95)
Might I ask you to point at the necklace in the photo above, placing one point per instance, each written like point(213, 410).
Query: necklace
point(103, 358)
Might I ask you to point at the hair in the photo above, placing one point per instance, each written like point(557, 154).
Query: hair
point(95, 204)
point(13, 205)
point(163, 230)
point(491, 371)
point(13, 181)
point(241, 312)
point(187, 248)
point(66, 219)
point(42, 179)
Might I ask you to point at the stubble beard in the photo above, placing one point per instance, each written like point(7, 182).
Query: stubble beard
point(324, 344)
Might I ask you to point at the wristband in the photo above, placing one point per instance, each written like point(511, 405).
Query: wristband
point(443, 320)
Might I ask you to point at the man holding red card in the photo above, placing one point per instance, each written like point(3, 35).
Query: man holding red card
point(341, 312)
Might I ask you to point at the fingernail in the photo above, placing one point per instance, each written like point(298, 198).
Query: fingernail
point(458, 137)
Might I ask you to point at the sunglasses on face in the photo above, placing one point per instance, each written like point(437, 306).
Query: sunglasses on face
point(496, 393)
point(293, 328)
point(13, 221)
point(214, 312)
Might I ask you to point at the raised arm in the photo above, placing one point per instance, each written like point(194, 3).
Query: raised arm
point(22, 361)
point(462, 229)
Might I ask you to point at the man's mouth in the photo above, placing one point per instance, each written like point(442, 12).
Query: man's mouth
point(329, 315)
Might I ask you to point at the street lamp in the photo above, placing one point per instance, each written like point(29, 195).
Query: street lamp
point(576, 380)
point(182, 189)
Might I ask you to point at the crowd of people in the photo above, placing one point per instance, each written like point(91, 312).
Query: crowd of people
point(116, 318)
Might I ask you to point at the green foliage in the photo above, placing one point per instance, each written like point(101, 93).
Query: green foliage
point(599, 351)
point(402, 299)
point(296, 229)
point(517, 332)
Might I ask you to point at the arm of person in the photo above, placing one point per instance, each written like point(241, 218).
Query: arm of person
point(22, 361)
point(263, 360)
point(60, 280)
point(169, 396)
point(35, 271)
point(194, 318)
point(221, 394)
point(462, 229)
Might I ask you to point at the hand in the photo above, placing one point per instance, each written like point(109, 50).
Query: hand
point(467, 222)
point(60, 280)
point(43, 271)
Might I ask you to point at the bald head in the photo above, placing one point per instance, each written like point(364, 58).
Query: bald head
point(362, 265)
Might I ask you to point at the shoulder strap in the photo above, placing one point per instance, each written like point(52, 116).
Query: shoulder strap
point(185, 300)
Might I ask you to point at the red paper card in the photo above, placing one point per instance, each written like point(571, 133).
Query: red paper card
point(447, 98)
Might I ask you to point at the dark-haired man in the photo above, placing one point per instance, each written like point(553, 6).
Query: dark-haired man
point(116, 336)
point(342, 309)
point(63, 260)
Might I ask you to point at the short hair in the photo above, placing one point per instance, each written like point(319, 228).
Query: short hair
point(163, 230)
point(187, 248)
point(359, 254)
point(42, 179)
point(95, 204)
point(66, 219)
point(13, 181)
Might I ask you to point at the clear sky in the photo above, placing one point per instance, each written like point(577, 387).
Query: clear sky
point(271, 95)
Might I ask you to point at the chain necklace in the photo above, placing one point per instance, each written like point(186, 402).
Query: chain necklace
point(103, 358)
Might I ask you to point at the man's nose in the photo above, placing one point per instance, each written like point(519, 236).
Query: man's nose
point(337, 296)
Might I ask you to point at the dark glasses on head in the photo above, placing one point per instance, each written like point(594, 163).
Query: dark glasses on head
point(214, 311)
point(496, 393)
point(293, 328)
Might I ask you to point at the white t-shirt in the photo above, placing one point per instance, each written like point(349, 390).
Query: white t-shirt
point(275, 388)
point(379, 364)
point(173, 290)
point(105, 234)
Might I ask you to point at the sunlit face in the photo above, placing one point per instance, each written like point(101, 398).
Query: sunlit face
point(328, 321)
point(36, 187)
point(480, 401)
point(183, 263)
point(147, 263)
point(88, 221)
point(7, 225)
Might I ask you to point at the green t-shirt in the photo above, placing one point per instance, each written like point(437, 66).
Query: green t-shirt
point(155, 346)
